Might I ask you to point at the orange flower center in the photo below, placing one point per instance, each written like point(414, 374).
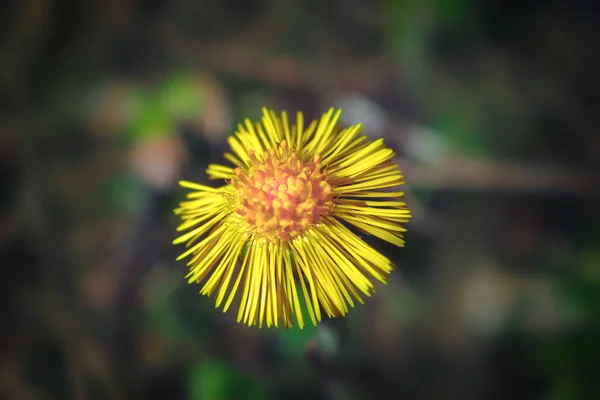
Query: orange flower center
point(280, 197)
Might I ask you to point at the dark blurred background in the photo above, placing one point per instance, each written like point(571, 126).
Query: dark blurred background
point(490, 105)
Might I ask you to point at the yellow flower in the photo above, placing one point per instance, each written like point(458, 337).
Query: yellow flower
point(275, 228)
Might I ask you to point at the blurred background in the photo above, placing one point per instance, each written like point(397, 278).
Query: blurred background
point(491, 108)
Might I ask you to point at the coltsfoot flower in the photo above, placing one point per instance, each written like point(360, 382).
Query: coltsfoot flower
point(274, 231)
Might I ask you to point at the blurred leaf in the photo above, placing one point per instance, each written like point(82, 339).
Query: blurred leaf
point(590, 266)
point(459, 125)
point(163, 313)
point(294, 341)
point(398, 15)
point(181, 95)
point(409, 25)
point(453, 11)
point(155, 113)
point(563, 389)
point(569, 363)
point(248, 388)
point(149, 118)
point(126, 192)
point(581, 283)
point(210, 380)
point(217, 380)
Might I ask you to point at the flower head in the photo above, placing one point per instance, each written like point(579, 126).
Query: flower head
point(274, 231)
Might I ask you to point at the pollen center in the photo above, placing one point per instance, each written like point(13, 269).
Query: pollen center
point(280, 196)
